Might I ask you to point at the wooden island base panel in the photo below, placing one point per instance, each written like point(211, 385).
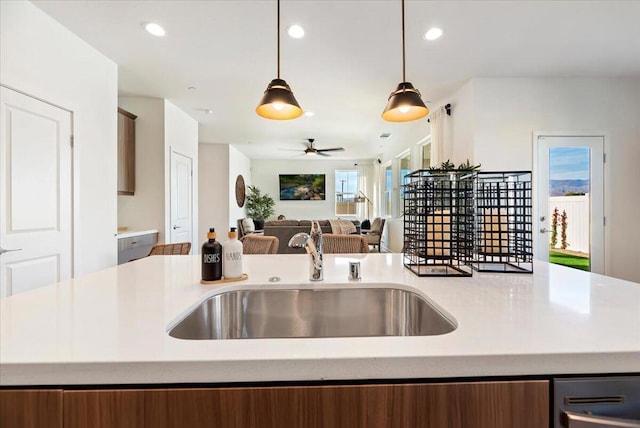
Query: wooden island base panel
point(501, 404)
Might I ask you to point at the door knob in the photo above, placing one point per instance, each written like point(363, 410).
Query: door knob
point(543, 230)
point(2, 250)
point(176, 227)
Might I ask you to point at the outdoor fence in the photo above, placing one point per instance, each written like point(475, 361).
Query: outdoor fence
point(577, 209)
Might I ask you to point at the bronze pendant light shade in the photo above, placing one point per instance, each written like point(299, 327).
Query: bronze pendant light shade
point(405, 103)
point(278, 102)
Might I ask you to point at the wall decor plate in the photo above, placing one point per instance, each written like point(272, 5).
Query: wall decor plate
point(240, 191)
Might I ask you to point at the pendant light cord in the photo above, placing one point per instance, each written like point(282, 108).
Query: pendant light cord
point(279, 38)
point(404, 79)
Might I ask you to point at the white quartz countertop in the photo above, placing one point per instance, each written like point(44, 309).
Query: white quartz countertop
point(134, 233)
point(109, 327)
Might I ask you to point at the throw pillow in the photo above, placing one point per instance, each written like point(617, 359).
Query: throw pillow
point(376, 225)
point(248, 226)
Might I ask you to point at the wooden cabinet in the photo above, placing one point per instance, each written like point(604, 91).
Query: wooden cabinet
point(520, 404)
point(31, 408)
point(105, 409)
point(126, 152)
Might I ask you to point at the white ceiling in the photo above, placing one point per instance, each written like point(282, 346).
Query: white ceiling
point(349, 60)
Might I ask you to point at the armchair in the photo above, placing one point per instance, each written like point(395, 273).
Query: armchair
point(374, 234)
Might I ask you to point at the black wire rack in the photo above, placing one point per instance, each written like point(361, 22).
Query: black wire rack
point(438, 223)
point(503, 222)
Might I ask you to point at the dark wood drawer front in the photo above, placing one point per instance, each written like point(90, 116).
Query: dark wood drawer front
point(522, 404)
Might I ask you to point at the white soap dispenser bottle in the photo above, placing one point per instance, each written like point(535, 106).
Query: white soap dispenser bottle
point(232, 256)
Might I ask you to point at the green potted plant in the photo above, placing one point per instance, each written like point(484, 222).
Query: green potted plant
point(259, 207)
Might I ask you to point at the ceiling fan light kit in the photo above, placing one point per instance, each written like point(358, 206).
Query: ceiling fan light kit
point(310, 150)
point(278, 101)
point(405, 103)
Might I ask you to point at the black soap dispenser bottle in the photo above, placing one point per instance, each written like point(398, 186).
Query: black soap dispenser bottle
point(211, 258)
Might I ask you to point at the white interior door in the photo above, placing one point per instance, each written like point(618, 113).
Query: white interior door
point(181, 197)
point(35, 193)
point(577, 163)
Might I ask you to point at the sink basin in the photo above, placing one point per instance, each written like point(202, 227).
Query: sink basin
point(319, 312)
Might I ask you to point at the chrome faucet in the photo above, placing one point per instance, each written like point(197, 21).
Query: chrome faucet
point(312, 243)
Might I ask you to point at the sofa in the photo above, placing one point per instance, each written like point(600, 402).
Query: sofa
point(285, 229)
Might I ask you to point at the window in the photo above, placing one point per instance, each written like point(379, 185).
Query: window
point(387, 203)
point(346, 190)
point(405, 166)
point(426, 155)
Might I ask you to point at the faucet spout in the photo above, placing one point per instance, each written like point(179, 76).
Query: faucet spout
point(312, 243)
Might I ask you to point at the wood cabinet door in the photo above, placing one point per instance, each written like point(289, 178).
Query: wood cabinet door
point(452, 405)
point(31, 408)
point(126, 152)
point(522, 404)
point(105, 408)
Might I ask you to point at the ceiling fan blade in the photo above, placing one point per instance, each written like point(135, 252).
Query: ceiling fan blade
point(335, 149)
point(319, 153)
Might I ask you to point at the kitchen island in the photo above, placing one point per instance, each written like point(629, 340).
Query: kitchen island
point(110, 328)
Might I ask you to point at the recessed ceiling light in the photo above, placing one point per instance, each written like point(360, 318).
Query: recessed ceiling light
point(433, 33)
point(296, 31)
point(309, 113)
point(155, 29)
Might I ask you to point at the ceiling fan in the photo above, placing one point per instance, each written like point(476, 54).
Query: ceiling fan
point(312, 151)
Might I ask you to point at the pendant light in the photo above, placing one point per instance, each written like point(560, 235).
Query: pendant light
point(278, 101)
point(404, 103)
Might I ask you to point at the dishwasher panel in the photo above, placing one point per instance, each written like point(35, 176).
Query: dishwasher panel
point(597, 402)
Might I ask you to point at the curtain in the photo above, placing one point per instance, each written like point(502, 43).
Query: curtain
point(440, 149)
point(376, 193)
point(365, 182)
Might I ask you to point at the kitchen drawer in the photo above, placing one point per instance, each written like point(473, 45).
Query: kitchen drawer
point(137, 241)
point(135, 247)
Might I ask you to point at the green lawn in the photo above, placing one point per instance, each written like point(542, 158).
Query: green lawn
point(569, 260)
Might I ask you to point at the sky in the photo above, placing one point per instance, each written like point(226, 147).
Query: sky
point(569, 163)
point(350, 181)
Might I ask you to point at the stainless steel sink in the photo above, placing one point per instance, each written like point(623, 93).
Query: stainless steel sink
point(319, 312)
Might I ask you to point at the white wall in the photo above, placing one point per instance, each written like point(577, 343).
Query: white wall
point(264, 174)
point(220, 164)
point(461, 123)
point(181, 136)
point(239, 164)
point(213, 175)
point(508, 111)
point(145, 209)
point(40, 57)
point(417, 131)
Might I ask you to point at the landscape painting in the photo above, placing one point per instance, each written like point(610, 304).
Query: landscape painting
point(302, 187)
